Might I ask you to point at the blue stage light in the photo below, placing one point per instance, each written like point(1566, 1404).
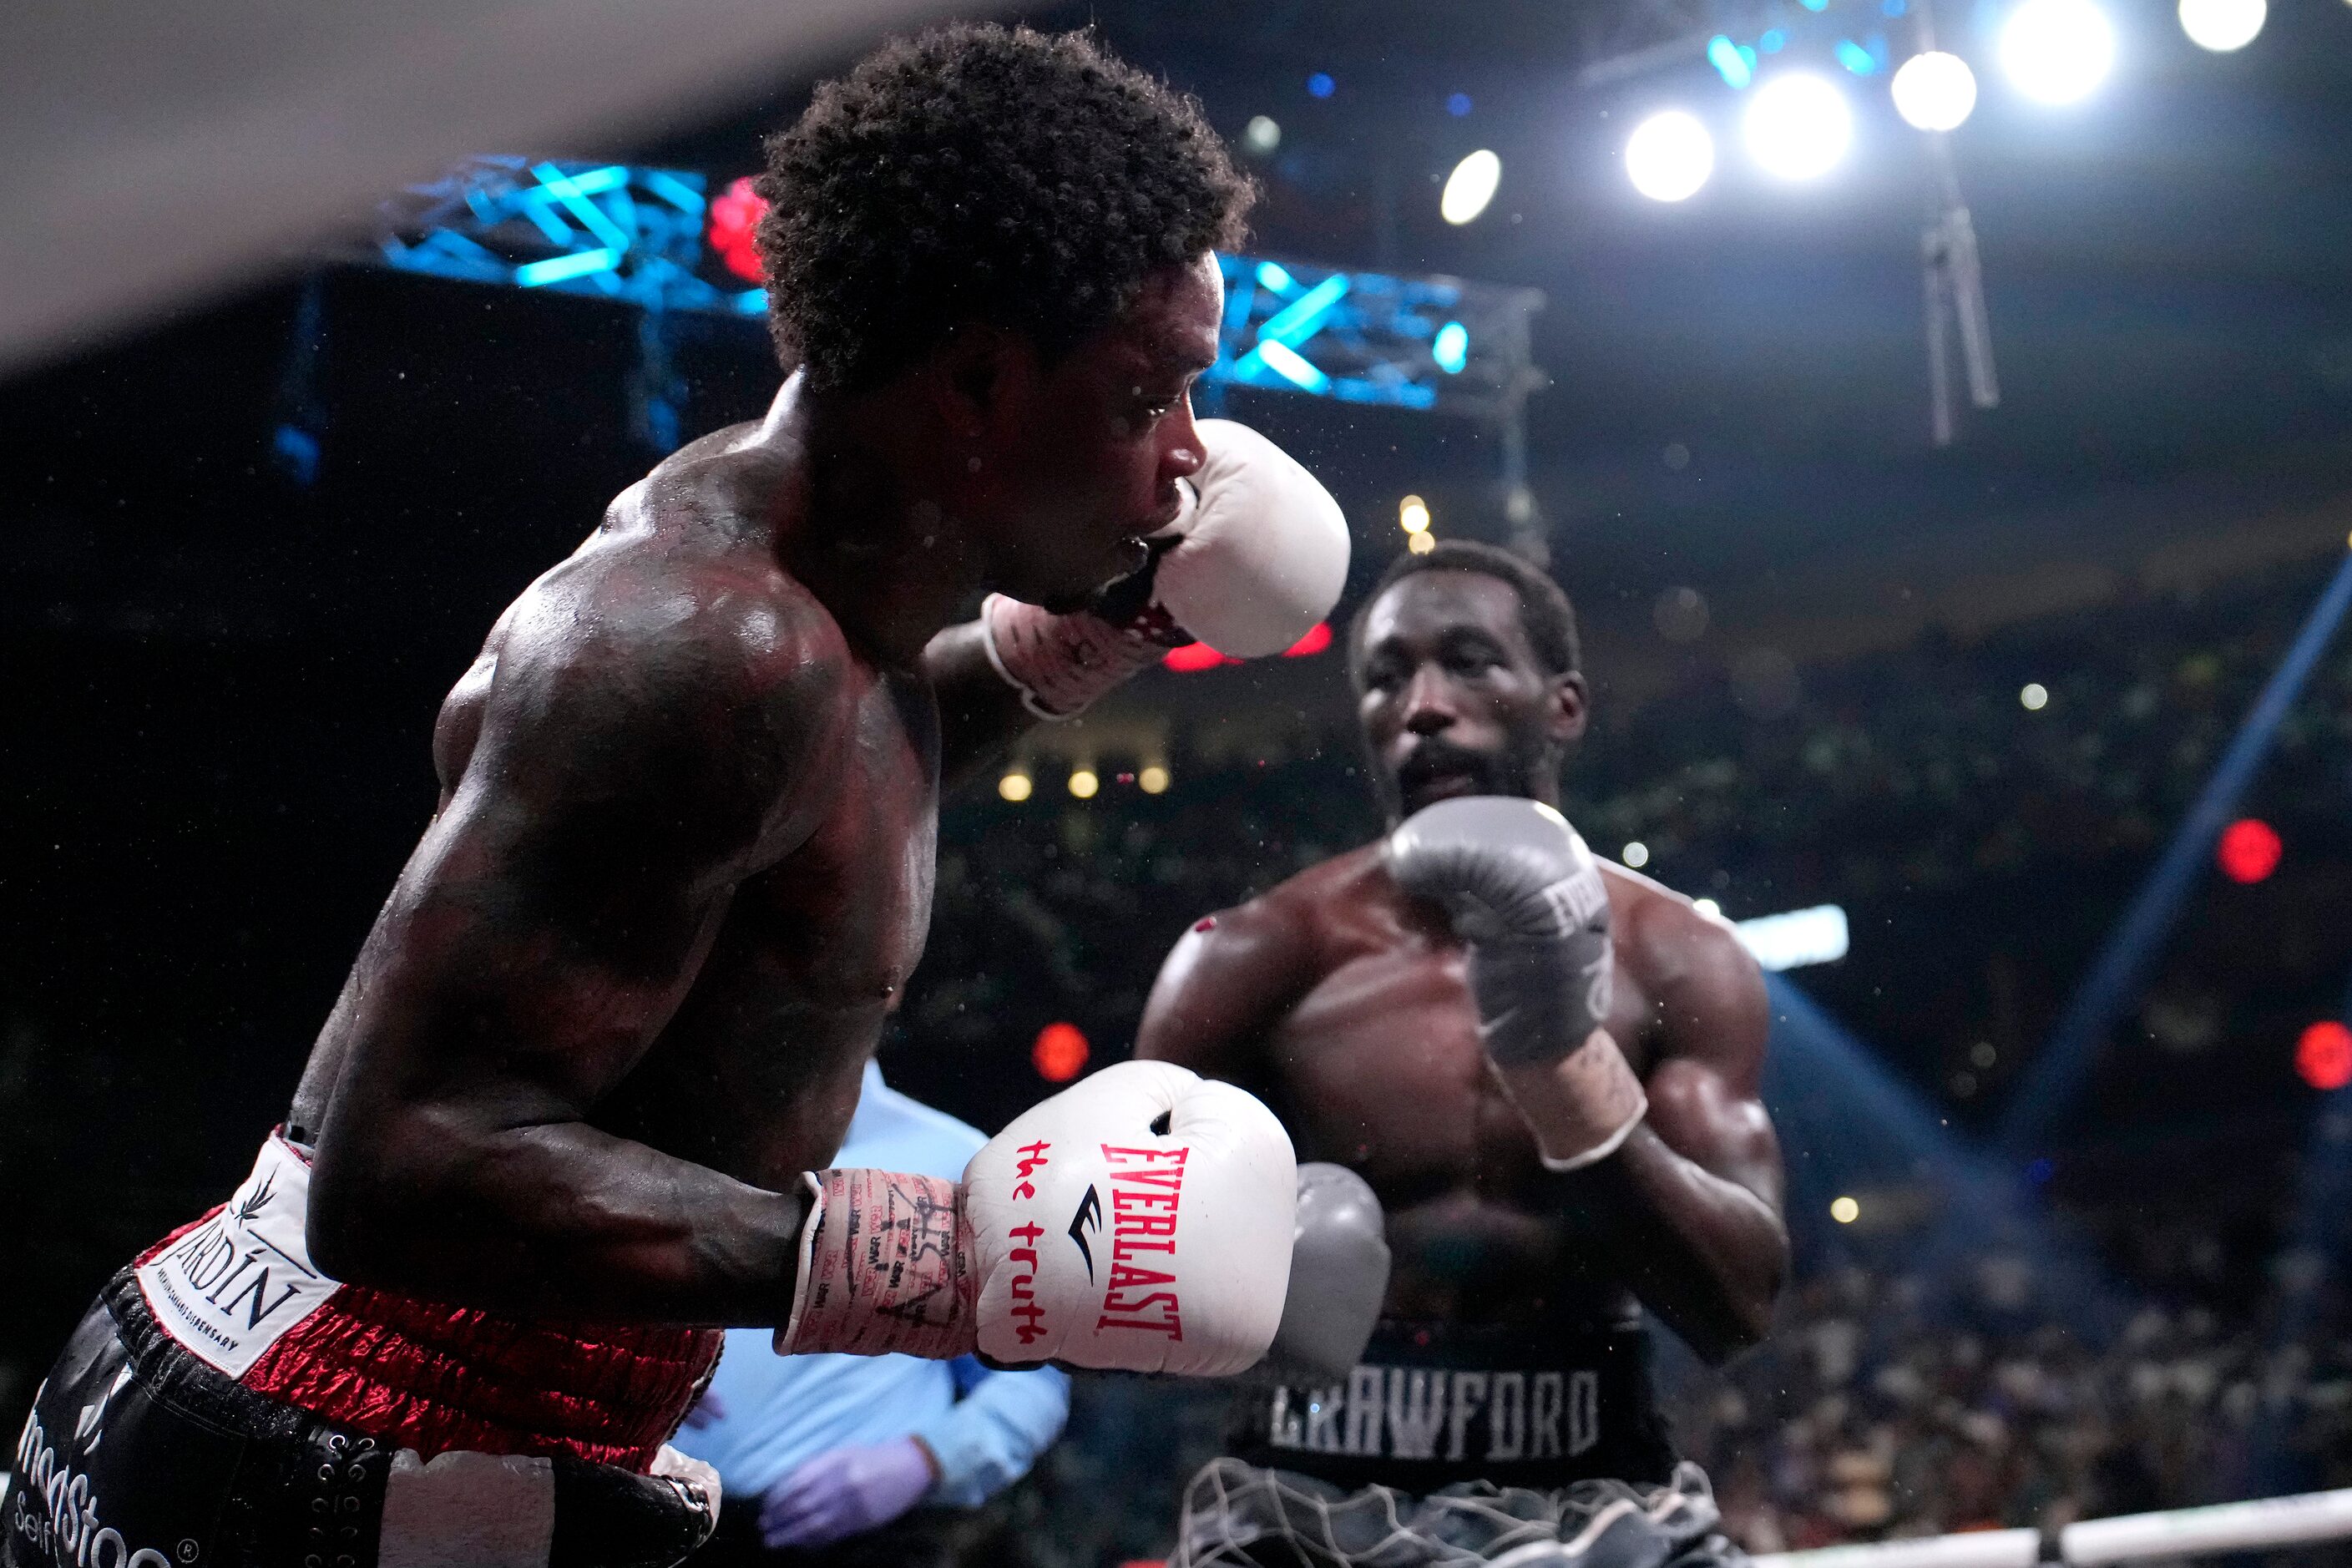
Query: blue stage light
point(1320, 85)
point(1734, 64)
point(1854, 57)
point(556, 269)
point(1271, 275)
point(1773, 41)
point(1458, 105)
point(1292, 366)
point(1451, 348)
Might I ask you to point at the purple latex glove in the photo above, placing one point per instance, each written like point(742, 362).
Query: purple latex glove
point(846, 1492)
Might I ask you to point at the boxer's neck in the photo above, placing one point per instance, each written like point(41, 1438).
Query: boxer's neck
point(879, 543)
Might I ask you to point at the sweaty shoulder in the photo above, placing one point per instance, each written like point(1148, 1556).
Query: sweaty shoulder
point(1706, 993)
point(657, 661)
point(1233, 974)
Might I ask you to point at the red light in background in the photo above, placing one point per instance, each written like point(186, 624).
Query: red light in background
point(2249, 850)
point(1195, 656)
point(2323, 1057)
point(735, 212)
point(1060, 1053)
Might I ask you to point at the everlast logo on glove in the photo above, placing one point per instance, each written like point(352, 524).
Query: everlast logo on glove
point(1146, 1186)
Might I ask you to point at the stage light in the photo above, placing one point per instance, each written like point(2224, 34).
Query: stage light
point(1669, 157)
point(1458, 105)
point(1470, 187)
point(1421, 543)
point(2057, 50)
point(1451, 347)
point(1846, 1211)
point(1152, 780)
point(1194, 656)
point(1275, 276)
point(1798, 127)
point(1708, 907)
point(1935, 91)
point(2222, 25)
point(1799, 938)
point(1735, 64)
point(1262, 134)
point(2033, 697)
point(1060, 1053)
point(1320, 85)
point(1014, 787)
point(1084, 783)
point(1413, 515)
point(2323, 1057)
point(1854, 57)
point(1313, 640)
point(2248, 850)
point(1636, 855)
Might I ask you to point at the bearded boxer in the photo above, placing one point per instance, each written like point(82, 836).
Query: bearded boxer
point(573, 1110)
point(1545, 1067)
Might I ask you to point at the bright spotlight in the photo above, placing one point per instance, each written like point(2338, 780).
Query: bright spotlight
point(1421, 543)
point(1413, 515)
point(1262, 135)
point(1084, 783)
point(1846, 1211)
point(1451, 347)
point(1799, 126)
point(1014, 787)
point(2057, 50)
point(1636, 855)
point(1669, 157)
point(2033, 697)
point(1152, 780)
point(1470, 187)
point(2222, 25)
point(1935, 91)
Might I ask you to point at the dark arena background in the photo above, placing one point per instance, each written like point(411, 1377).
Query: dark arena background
point(1960, 536)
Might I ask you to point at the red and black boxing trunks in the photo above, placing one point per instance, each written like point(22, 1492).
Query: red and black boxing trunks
point(224, 1404)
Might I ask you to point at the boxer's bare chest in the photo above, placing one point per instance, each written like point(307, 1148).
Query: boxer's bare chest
point(1379, 1066)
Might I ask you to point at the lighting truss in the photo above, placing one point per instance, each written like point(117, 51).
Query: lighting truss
point(651, 237)
point(635, 236)
point(1429, 342)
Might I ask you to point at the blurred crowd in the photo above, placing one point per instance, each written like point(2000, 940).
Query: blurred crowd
point(1881, 1409)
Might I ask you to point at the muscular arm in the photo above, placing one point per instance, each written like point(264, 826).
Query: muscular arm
point(640, 755)
point(1690, 1205)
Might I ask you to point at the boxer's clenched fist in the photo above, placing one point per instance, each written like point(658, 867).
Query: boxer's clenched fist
point(1526, 897)
point(1142, 1220)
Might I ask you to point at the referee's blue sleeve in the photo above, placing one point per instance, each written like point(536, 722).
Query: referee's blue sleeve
point(995, 1432)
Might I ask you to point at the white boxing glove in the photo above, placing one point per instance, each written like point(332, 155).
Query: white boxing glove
point(1142, 1220)
point(1256, 558)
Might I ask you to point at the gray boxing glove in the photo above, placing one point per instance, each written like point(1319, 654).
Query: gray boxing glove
point(1339, 1277)
point(1526, 897)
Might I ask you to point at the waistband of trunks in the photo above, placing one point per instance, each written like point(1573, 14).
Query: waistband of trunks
point(434, 1377)
point(1434, 1403)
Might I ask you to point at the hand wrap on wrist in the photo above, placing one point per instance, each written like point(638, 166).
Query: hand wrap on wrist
point(885, 1267)
point(1604, 1101)
point(1061, 664)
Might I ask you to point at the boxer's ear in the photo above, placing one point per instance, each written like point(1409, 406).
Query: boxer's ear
point(1567, 707)
point(978, 371)
point(967, 378)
